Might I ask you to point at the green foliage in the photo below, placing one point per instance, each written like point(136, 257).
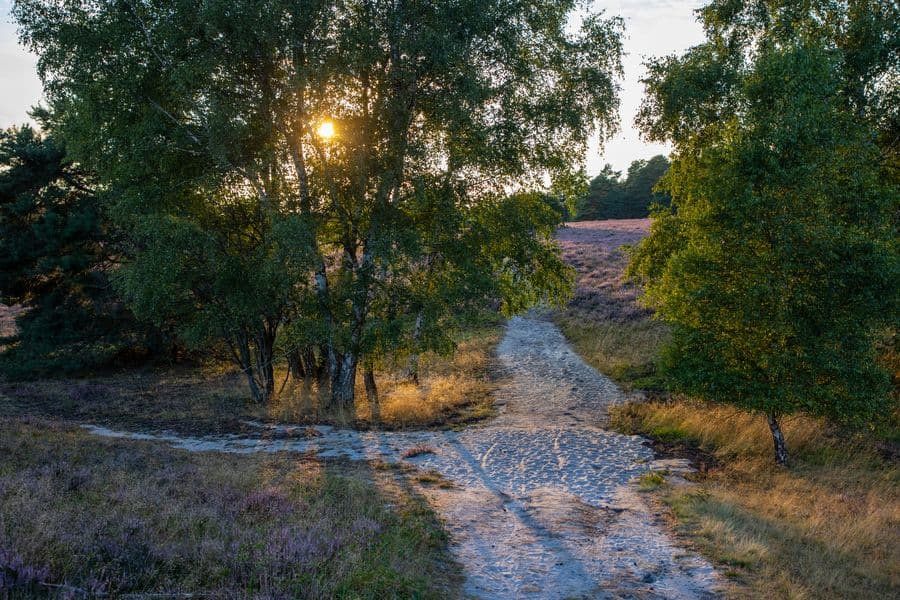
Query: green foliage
point(56, 250)
point(247, 222)
point(610, 197)
point(780, 267)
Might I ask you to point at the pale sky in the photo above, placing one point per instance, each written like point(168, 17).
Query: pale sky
point(652, 28)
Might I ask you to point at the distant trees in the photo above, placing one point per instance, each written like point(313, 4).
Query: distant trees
point(780, 266)
point(56, 256)
point(611, 197)
point(327, 182)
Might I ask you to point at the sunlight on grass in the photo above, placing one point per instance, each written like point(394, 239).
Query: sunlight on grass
point(825, 528)
point(453, 390)
point(623, 351)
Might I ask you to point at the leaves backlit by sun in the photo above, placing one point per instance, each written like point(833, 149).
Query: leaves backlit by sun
point(325, 130)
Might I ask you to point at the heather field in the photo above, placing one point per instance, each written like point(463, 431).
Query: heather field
point(291, 305)
point(603, 319)
point(825, 528)
point(84, 517)
point(595, 249)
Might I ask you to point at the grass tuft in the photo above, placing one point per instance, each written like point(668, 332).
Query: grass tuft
point(417, 451)
point(651, 480)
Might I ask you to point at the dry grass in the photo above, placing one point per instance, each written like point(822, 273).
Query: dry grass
point(417, 451)
point(827, 527)
point(603, 320)
point(624, 351)
point(103, 517)
point(8, 316)
point(454, 389)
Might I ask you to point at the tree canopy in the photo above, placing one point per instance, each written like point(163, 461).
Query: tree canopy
point(780, 265)
point(335, 174)
point(610, 197)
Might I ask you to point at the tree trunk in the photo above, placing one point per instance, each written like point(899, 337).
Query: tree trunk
point(244, 358)
point(265, 347)
point(255, 354)
point(295, 365)
point(412, 370)
point(322, 373)
point(343, 385)
point(781, 455)
point(254, 388)
point(372, 394)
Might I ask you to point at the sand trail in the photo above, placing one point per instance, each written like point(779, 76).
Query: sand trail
point(543, 503)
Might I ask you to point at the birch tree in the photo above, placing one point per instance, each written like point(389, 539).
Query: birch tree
point(273, 157)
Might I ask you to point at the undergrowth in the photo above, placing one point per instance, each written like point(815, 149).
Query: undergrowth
point(826, 527)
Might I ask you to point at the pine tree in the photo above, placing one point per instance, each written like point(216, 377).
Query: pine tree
point(55, 256)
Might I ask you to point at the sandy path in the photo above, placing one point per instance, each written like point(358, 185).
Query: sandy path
point(543, 503)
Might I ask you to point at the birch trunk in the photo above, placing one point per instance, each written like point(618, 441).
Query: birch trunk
point(781, 454)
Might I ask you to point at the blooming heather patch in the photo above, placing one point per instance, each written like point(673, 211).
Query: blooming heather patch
point(604, 320)
point(15, 572)
point(132, 517)
point(87, 392)
point(594, 248)
point(269, 501)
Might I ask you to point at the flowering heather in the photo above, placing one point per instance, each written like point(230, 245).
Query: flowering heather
point(114, 518)
point(269, 501)
point(603, 320)
point(15, 572)
point(594, 249)
point(88, 392)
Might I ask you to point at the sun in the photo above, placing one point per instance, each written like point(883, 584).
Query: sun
point(325, 130)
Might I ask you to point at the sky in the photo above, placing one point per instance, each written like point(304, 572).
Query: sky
point(652, 28)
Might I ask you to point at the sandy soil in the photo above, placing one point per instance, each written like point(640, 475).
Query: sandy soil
point(541, 501)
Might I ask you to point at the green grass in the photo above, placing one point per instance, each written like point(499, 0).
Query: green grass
point(651, 480)
point(827, 527)
point(114, 517)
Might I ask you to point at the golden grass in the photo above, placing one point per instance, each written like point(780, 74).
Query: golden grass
point(213, 397)
point(827, 527)
point(8, 316)
point(453, 390)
